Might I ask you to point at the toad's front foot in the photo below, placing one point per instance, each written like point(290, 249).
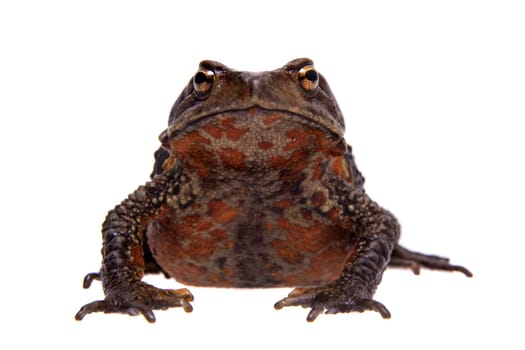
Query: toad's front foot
point(330, 299)
point(139, 298)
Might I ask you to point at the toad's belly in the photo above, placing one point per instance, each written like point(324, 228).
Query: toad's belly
point(249, 246)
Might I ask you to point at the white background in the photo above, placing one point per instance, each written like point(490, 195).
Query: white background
point(433, 96)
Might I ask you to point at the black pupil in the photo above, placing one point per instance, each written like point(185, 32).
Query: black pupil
point(311, 75)
point(200, 78)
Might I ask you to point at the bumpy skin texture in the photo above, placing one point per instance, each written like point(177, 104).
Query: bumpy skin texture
point(253, 186)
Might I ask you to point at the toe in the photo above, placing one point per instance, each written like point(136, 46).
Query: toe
point(297, 297)
point(377, 306)
point(95, 306)
point(148, 314)
point(316, 311)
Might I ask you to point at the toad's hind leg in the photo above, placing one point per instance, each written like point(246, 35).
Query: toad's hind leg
point(404, 258)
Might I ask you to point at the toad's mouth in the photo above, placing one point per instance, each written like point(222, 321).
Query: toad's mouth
point(314, 120)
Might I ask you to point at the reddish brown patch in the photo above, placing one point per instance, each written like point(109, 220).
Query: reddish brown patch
point(297, 162)
point(279, 276)
point(201, 225)
point(294, 165)
point(328, 267)
point(333, 214)
point(339, 167)
point(272, 119)
point(214, 279)
point(298, 240)
point(221, 212)
point(317, 169)
point(213, 130)
point(264, 145)
point(195, 147)
point(232, 132)
point(307, 214)
point(185, 273)
point(201, 247)
point(323, 248)
point(137, 254)
point(229, 272)
point(289, 255)
point(188, 142)
point(318, 198)
point(232, 157)
point(168, 163)
point(219, 234)
point(298, 138)
point(278, 162)
point(284, 203)
point(190, 224)
point(339, 148)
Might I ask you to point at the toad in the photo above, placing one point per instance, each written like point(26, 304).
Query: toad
point(254, 186)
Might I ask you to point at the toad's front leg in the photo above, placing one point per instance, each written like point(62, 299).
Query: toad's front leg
point(378, 232)
point(123, 257)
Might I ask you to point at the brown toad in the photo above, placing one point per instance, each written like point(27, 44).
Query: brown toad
point(253, 186)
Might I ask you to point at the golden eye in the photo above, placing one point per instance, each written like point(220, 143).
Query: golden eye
point(203, 81)
point(309, 78)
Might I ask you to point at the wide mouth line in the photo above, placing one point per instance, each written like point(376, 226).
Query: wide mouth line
point(186, 121)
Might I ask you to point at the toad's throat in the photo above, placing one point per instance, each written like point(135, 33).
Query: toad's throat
point(253, 140)
point(325, 124)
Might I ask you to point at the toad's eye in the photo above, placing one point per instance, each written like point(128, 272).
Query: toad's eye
point(308, 78)
point(202, 82)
